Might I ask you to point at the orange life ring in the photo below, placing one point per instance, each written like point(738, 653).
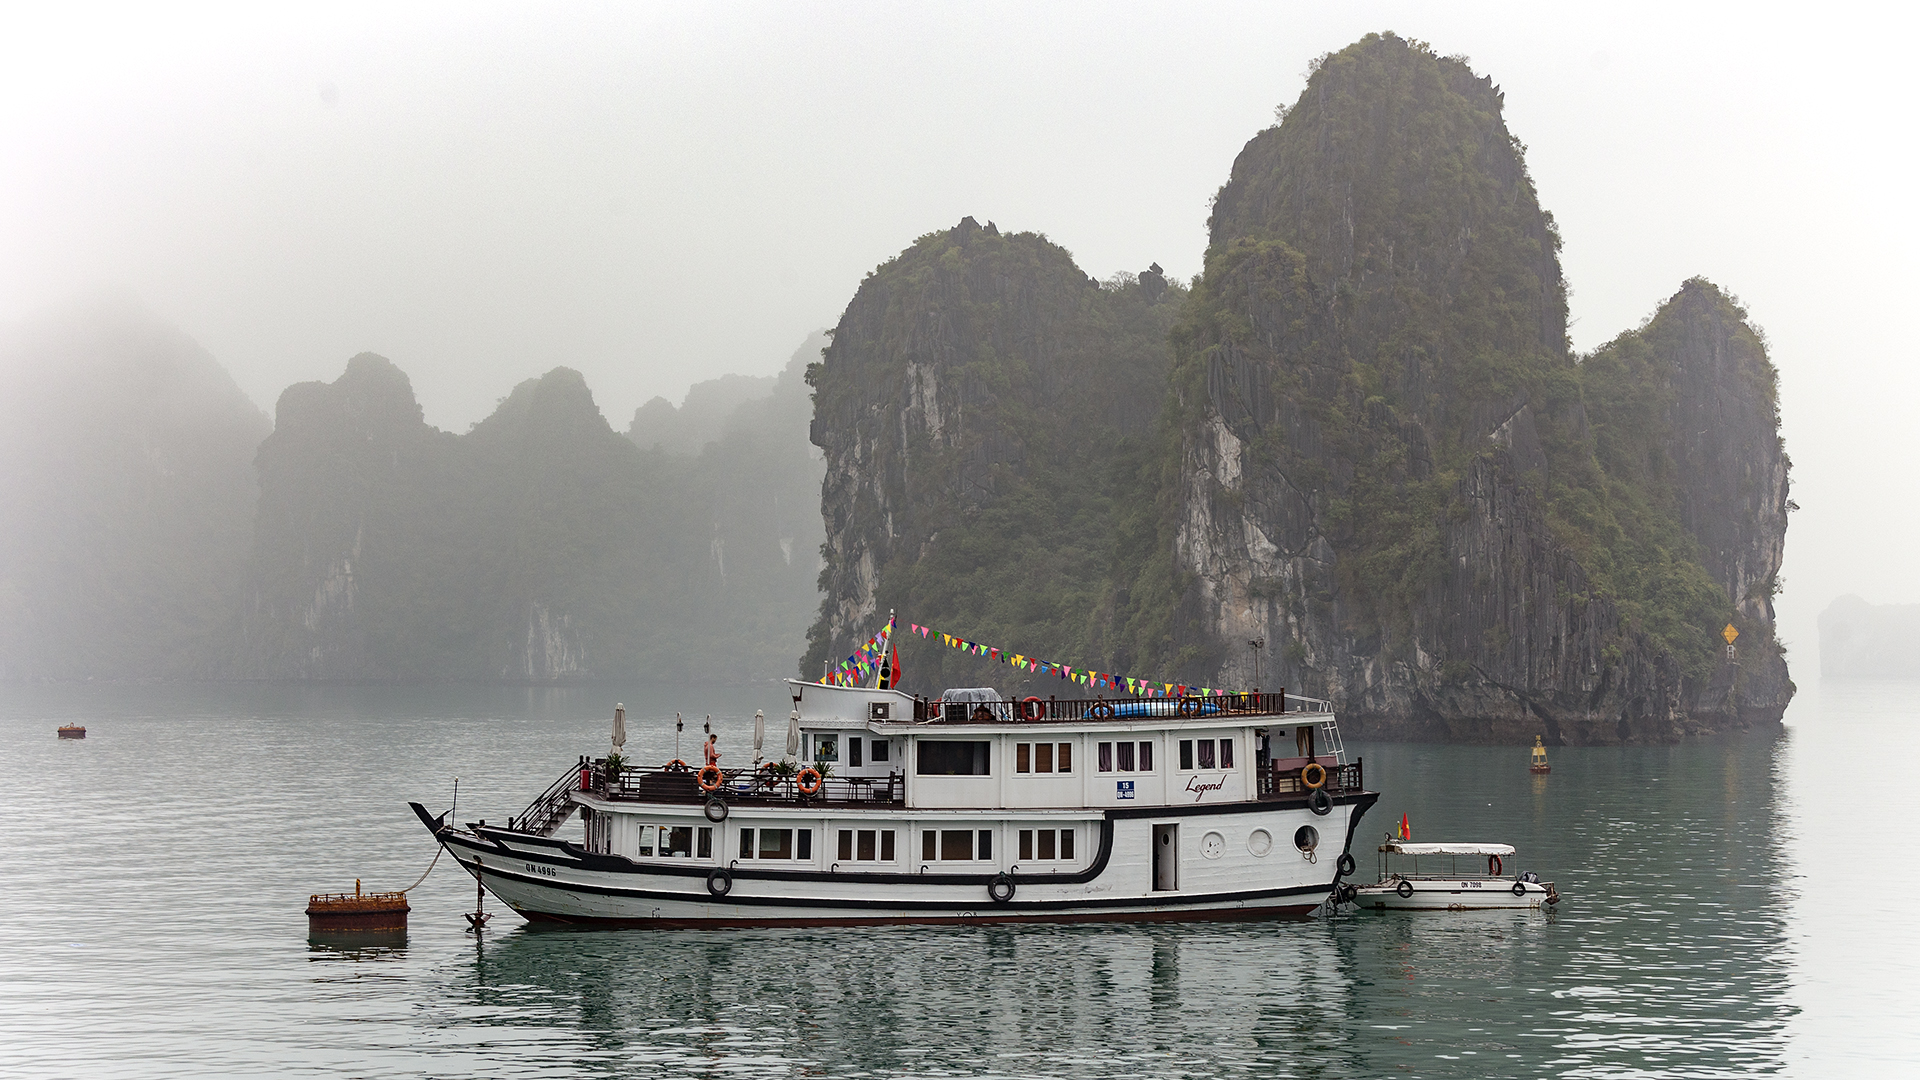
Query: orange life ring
point(711, 778)
point(1314, 775)
point(808, 781)
point(676, 765)
point(1033, 709)
point(1494, 865)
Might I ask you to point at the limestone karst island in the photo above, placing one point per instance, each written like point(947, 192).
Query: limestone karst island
point(1356, 457)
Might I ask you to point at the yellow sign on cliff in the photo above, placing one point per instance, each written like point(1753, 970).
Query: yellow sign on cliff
point(1729, 633)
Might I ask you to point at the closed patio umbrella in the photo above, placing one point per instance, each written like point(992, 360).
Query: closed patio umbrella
point(793, 735)
point(759, 733)
point(619, 727)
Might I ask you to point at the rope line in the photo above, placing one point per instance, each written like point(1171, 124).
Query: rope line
point(429, 870)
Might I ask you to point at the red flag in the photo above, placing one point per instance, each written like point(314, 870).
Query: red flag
point(1406, 828)
point(894, 680)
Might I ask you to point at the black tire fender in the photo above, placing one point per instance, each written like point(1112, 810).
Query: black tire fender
point(1347, 863)
point(1519, 888)
point(720, 882)
point(1405, 889)
point(716, 809)
point(1000, 888)
point(1320, 802)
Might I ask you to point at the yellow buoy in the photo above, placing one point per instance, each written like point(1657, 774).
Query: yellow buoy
point(1539, 757)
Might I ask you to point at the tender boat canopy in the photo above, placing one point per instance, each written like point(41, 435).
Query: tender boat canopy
point(1502, 850)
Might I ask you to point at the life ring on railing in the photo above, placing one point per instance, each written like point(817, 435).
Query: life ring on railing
point(1000, 888)
point(710, 778)
point(676, 765)
point(1494, 865)
point(1320, 803)
point(1314, 775)
point(1101, 711)
point(808, 781)
point(1189, 706)
point(1033, 708)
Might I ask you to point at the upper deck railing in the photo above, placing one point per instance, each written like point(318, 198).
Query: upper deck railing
point(1042, 710)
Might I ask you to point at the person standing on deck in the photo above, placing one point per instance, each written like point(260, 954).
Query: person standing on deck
point(713, 749)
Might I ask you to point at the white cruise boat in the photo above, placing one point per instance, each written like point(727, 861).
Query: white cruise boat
point(983, 810)
point(1455, 877)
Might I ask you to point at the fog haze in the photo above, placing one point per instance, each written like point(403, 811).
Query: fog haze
point(662, 196)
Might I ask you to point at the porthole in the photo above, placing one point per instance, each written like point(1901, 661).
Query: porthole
point(1260, 841)
point(1306, 838)
point(1213, 845)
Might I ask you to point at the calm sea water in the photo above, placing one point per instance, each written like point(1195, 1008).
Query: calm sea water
point(1732, 907)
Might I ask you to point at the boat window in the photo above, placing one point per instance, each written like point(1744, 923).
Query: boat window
point(1047, 849)
point(746, 843)
point(1043, 757)
point(879, 750)
point(1063, 761)
point(846, 845)
point(826, 748)
point(1206, 753)
point(1186, 755)
point(865, 848)
point(1226, 753)
point(853, 752)
point(805, 845)
point(1066, 843)
point(1306, 838)
point(1106, 757)
point(986, 843)
point(886, 845)
point(647, 833)
point(956, 844)
point(706, 843)
point(677, 841)
point(954, 758)
point(1126, 757)
point(1146, 756)
point(776, 844)
point(1022, 758)
point(929, 845)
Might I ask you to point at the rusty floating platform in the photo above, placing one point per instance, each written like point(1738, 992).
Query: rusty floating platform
point(357, 912)
point(72, 731)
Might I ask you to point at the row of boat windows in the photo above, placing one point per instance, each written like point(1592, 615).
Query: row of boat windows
point(827, 748)
point(681, 841)
point(856, 845)
point(953, 757)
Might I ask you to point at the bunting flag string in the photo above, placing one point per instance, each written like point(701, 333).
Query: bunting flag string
point(854, 669)
point(1095, 680)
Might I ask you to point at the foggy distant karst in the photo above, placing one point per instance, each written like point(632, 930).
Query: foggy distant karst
point(1375, 451)
point(1359, 437)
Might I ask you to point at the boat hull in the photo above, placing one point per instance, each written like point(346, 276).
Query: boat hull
point(1454, 894)
point(556, 882)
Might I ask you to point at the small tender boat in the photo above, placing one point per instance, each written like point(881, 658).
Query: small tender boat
point(72, 731)
point(1449, 877)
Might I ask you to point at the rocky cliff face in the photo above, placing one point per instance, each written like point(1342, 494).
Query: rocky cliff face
point(540, 546)
point(981, 407)
point(126, 497)
point(1390, 471)
point(1376, 453)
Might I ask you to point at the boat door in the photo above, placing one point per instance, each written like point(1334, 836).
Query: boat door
point(1166, 858)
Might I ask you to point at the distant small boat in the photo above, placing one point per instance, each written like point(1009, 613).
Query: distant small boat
point(1539, 758)
point(72, 731)
point(1435, 888)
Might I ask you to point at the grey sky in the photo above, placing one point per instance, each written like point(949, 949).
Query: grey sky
point(662, 194)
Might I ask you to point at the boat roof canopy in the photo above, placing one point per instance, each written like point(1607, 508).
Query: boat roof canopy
point(1447, 849)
